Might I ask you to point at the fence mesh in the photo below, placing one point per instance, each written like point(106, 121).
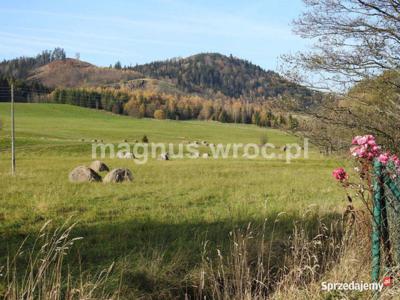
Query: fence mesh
point(392, 200)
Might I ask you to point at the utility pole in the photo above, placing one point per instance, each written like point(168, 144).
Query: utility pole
point(12, 132)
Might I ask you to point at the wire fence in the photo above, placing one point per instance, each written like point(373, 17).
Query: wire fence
point(392, 199)
point(386, 223)
point(25, 94)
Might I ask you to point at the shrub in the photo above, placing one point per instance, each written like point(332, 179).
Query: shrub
point(159, 114)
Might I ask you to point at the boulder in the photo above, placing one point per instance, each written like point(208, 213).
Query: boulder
point(118, 175)
point(84, 174)
point(99, 166)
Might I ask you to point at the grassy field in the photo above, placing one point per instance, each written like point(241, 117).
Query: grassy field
point(155, 227)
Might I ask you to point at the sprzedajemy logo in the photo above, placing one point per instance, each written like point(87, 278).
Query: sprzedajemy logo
point(355, 286)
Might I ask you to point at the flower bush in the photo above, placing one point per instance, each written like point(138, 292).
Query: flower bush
point(365, 147)
point(365, 150)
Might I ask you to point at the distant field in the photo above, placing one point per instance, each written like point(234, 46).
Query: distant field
point(154, 227)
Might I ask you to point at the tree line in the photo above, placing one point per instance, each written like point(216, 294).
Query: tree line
point(150, 104)
point(24, 91)
point(20, 68)
point(18, 71)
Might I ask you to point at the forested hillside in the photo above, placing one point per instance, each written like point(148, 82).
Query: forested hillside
point(214, 77)
point(21, 67)
point(211, 73)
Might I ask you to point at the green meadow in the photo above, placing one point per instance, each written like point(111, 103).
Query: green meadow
point(155, 227)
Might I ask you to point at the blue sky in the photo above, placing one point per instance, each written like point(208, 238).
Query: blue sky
point(147, 30)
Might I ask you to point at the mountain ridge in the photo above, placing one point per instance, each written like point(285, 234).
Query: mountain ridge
point(210, 75)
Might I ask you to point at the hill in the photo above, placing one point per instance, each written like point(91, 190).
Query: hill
point(68, 124)
point(75, 73)
point(152, 85)
point(210, 75)
point(21, 67)
point(213, 73)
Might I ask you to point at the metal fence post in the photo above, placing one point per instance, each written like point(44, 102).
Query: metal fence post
point(377, 221)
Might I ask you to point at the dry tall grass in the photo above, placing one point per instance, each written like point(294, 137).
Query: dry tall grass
point(251, 269)
point(241, 274)
point(339, 252)
point(40, 272)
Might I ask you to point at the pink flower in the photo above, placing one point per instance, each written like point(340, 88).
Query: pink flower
point(355, 140)
point(396, 160)
point(363, 140)
point(365, 147)
point(370, 137)
point(358, 151)
point(384, 158)
point(340, 174)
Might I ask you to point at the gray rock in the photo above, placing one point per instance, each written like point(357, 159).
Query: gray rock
point(99, 166)
point(84, 174)
point(118, 175)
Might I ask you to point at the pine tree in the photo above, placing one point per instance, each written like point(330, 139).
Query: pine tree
point(118, 65)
